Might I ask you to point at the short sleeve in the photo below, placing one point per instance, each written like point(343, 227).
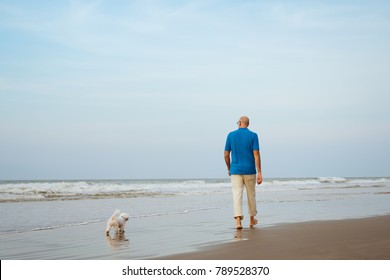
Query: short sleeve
point(228, 145)
point(256, 146)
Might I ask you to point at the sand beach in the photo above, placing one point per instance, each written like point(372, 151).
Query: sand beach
point(354, 239)
point(194, 237)
point(306, 219)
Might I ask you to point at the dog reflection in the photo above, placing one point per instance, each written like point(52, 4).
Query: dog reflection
point(118, 241)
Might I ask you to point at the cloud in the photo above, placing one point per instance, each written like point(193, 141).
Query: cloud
point(132, 75)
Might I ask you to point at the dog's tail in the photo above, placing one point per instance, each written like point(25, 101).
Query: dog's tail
point(116, 213)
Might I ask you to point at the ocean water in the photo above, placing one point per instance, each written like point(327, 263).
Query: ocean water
point(44, 205)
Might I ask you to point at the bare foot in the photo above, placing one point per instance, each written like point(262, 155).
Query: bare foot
point(253, 222)
point(238, 223)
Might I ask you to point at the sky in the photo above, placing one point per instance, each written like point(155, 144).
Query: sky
point(150, 89)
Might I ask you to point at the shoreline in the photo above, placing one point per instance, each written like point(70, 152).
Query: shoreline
point(349, 239)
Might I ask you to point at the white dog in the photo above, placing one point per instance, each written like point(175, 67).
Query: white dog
point(117, 221)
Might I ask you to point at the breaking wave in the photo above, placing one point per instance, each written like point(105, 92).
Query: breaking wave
point(18, 191)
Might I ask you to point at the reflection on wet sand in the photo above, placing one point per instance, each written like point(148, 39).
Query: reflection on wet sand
point(118, 241)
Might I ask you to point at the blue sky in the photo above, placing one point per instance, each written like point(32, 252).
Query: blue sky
point(150, 89)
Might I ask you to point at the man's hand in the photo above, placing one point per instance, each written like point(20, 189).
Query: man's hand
point(256, 154)
point(259, 178)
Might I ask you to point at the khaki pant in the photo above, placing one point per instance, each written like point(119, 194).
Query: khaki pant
point(238, 183)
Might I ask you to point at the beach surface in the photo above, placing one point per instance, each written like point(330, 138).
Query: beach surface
point(195, 238)
point(317, 218)
point(353, 239)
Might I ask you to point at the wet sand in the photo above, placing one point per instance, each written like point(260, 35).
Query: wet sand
point(196, 236)
point(144, 238)
point(353, 239)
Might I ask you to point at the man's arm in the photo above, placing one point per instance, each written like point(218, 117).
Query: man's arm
point(256, 153)
point(227, 160)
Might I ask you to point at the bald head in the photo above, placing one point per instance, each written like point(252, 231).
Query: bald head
point(244, 121)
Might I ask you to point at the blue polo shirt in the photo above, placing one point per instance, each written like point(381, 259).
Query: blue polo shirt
point(241, 143)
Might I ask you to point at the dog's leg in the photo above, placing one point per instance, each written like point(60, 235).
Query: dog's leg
point(121, 229)
point(107, 231)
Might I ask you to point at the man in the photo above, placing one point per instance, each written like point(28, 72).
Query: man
point(243, 144)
